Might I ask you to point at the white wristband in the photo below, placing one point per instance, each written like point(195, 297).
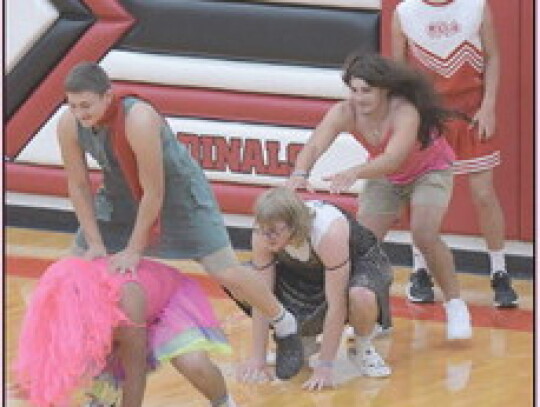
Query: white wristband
point(322, 363)
point(300, 173)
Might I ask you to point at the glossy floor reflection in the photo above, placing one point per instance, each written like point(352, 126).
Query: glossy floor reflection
point(493, 369)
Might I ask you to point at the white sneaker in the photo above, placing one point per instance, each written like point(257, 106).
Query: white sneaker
point(230, 402)
point(458, 320)
point(349, 333)
point(378, 330)
point(370, 363)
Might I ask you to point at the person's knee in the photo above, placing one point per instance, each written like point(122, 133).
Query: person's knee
point(361, 296)
point(484, 196)
point(424, 238)
point(227, 277)
point(193, 364)
point(482, 190)
point(233, 279)
point(133, 302)
point(378, 224)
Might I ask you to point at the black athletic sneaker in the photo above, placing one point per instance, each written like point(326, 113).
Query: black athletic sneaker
point(289, 355)
point(505, 296)
point(420, 287)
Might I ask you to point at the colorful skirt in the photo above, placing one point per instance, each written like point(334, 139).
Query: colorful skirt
point(66, 337)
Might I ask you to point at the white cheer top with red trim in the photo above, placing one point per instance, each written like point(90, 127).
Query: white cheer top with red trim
point(444, 40)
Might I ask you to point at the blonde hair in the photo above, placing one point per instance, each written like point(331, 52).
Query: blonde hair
point(281, 204)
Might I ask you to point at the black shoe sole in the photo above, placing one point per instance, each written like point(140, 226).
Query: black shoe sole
point(418, 300)
point(509, 305)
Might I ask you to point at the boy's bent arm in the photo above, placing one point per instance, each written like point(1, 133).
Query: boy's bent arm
point(333, 251)
point(260, 324)
point(79, 187)
point(143, 126)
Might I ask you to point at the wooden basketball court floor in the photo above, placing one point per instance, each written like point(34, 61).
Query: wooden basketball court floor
point(495, 368)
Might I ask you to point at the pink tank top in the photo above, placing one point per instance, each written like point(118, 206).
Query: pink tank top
point(437, 156)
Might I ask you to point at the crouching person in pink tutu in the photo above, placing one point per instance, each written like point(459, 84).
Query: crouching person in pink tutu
point(86, 324)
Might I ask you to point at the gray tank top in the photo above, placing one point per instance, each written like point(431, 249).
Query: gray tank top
point(191, 223)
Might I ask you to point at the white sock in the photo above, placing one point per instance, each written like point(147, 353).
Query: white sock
point(230, 401)
point(226, 401)
point(363, 342)
point(497, 261)
point(284, 323)
point(418, 259)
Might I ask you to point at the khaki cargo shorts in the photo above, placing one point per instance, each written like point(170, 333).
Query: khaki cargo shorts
point(380, 196)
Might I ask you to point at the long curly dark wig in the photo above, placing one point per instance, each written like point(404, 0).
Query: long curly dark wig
point(405, 82)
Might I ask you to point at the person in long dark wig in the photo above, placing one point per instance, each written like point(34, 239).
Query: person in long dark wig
point(394, 113)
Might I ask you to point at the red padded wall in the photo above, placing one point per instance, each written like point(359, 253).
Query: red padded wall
point(526, 121)
point(514, 178)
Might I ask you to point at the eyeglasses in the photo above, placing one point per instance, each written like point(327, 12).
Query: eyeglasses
point(271, 233)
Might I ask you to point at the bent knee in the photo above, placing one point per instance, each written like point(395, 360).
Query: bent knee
point(484, 197)
point(193, 362)
point(361, 295)
point(424, 238)
point(133, 301)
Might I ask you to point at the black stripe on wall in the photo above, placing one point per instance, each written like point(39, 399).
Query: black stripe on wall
point(251, 31)
point(474, 262)
point(47, 51)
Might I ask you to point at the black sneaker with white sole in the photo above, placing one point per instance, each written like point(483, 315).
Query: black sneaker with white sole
point(420, 287)
point(505, 296)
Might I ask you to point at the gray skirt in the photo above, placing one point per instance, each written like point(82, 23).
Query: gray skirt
point(371, 270)
point(193, 233)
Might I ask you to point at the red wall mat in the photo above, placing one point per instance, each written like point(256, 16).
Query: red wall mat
point(461, 216)
point(526, 133)
point(514, 179)
point(112, 22)
point(232, 197)
point(229, 105)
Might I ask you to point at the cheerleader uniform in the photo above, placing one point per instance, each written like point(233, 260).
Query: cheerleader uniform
point(444, 42)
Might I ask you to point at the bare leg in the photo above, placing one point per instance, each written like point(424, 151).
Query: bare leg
point(74, 250)
point(202, 373)
point(379, 224)
point(363, 310)
point(488, 209)
point(250, 287)
point(425, 225)
point(132, 346)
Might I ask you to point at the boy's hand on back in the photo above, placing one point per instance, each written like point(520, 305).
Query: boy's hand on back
point(94, 252)
point(125, 261)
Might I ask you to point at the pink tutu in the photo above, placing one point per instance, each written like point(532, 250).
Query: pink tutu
point(66, 335)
